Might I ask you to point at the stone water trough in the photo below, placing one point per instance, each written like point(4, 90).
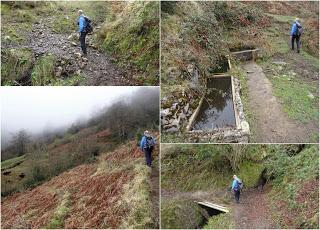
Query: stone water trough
point(245, 54)
point(219, 116)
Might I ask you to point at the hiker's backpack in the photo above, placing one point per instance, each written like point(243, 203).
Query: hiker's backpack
point(300, 30)
point(150, 141)
point(239, 186)
point(88, 28)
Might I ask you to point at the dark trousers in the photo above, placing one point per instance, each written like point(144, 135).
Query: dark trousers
point(148, 155)
point(297, 39)
point(237, 195)
point(83, 42)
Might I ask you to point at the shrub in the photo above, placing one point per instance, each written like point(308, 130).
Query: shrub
point(43, 72)
point(16, 64)
point(37, 175)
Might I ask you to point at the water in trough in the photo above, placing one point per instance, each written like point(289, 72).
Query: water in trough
point(217, 109)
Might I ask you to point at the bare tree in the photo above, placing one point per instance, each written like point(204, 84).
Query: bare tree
point(20, 141)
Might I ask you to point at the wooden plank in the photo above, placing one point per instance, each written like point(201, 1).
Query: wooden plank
point(195, 114)
point(214, 206)
point(229, 62)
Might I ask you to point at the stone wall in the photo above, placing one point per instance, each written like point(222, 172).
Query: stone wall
point(175, 119)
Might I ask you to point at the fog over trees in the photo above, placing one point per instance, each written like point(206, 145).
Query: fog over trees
point(42, 115)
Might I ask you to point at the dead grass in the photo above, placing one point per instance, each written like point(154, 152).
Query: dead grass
point(97, 197)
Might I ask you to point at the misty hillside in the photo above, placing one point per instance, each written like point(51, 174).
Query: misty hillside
point(280, 186)
point(49, 177)
point(30, 160)
point(41, 41)
point(197, 36)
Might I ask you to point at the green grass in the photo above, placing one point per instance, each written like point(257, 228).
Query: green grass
point(61, 212)
point(294, 202)
point(180, 214)
point(310, 58)
point(12, 162)
point(282, 18)
point(173, 138)
point(222, 221)
point(65, 25)
point(136, 198)
point(73, 80)
point(134, 39)
point(294, 97)
point(43, 72)
point(15, 34)
point(13, 182)
point(16, 64)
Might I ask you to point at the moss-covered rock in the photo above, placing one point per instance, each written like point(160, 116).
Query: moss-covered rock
point(250, 173)
point(181, 214)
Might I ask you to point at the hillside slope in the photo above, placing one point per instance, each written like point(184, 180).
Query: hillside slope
point(280, 186)
point(41, 41)
point(114, 192)
point(196, 35)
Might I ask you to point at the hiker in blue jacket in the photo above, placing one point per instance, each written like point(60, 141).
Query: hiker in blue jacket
point(83, 33)
point(236, 187)
point(295, 34)
point(147, 144)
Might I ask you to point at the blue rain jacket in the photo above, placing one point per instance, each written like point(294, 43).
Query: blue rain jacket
point(143, 143)
point(82, 23)
point(234, 183)
point(294, 29)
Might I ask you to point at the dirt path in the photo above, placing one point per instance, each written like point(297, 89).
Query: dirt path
point(272, 125)
point(97, 67)
point(252, 212)
point(155, 192)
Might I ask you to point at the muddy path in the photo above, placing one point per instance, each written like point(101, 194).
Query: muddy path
point(271, 124)
point(97, 67)
point(252, 212)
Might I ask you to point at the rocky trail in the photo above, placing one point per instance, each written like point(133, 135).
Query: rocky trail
point(97, 67)
point(252, 212)
point(272, 124)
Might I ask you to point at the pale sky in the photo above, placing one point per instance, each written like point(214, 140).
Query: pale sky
point(34, 108)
